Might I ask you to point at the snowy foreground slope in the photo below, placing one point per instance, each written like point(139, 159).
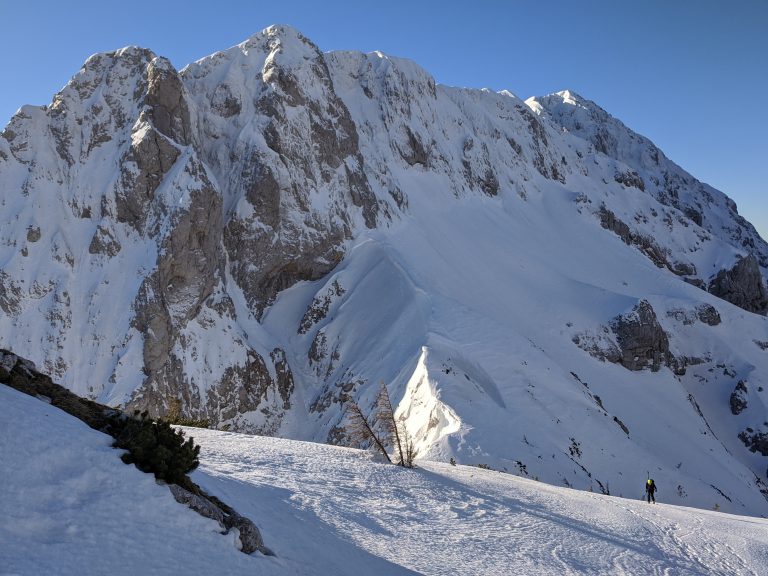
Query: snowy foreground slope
point(70, 506)
point(271, 229)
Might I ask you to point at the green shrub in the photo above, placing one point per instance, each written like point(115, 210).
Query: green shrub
point(154, 446)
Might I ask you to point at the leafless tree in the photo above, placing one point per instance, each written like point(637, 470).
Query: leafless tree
point(384, 419)
point(410, 450)
point(380, 428)
point(360, 430)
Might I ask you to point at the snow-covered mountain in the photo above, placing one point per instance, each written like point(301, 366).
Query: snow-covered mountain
point(273, 228)
point(74, 508)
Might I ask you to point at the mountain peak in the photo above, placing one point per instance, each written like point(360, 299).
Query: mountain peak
point(278, 46)
point(128, 54)
point(118, 67)
point(559, 102)
point(283, 39)
point(284, 31)
point(570, 96)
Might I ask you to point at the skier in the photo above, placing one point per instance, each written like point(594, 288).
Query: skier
point(650, 489)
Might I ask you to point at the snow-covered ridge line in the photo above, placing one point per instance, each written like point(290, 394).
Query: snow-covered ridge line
point(274, 228)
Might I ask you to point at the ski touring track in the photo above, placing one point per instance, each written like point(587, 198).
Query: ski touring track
point(443, 519)
point(703, 557)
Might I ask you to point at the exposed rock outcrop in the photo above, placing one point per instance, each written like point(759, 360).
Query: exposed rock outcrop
point(755, 441)
point(199, 504)
point(658, 255)
point(22, 374)
point(318, 310)
point(10, 295)
point(249, 387)
point(631, 179)
point(104, 242)
point(150, 157)
point(599, 345)
point(248, 534)
point(708, 314)
point(641, 161)
point(168, 105)
point(738, 400)
point(705, 313)
point(642, 340)
point(742, 285)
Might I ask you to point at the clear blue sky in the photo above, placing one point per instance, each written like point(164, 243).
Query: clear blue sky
point(692, 75)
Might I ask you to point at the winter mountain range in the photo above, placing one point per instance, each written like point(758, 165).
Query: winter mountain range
point(273, 228)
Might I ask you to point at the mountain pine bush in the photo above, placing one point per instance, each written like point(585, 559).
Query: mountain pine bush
point(154, 446)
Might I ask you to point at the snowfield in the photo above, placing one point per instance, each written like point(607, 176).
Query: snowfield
point(70, 506)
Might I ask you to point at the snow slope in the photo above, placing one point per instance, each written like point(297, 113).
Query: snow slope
point(471, 308)
point(71, 507)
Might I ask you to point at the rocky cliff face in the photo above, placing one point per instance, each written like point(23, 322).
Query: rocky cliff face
point(285, 152)
point(273, 228)
point(133, 184)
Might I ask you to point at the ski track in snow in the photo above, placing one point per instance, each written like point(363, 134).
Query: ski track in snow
point(70, 507)
point(440, 519)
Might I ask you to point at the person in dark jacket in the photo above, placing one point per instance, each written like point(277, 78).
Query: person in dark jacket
point(650, 490)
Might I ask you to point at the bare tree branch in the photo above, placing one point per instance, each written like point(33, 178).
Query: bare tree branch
point(380, 428)
point(410, 449)
point(385, 417)
point(360, 430)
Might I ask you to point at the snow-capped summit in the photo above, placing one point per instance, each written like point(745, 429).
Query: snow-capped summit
point(274, 228)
